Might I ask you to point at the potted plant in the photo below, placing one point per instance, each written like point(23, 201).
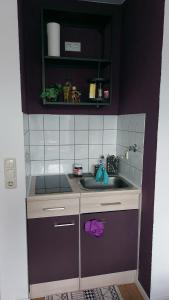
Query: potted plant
point(52, 93)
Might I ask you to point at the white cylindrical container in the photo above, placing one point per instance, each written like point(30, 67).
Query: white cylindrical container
point(53, 34)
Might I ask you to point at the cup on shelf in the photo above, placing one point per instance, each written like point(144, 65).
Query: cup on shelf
point(53, 34)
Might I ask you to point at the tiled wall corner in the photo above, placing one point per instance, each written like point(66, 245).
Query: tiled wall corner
point(58, 141)
point(27, 149)
point(53, 143)
point(130, 131)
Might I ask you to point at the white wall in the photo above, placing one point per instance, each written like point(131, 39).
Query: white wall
point(160, 258)
point(12, 202)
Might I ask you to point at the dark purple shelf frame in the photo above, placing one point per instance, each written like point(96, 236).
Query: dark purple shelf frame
point(30, 38)
point(92, 61)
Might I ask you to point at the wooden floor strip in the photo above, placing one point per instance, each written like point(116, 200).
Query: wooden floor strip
point(128, 292)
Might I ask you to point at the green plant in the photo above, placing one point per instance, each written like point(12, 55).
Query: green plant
point(52, 93)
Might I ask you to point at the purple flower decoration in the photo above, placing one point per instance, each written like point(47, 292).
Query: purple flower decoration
point(94, 227)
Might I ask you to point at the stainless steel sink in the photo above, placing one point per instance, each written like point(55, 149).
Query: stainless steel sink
point(115, 182)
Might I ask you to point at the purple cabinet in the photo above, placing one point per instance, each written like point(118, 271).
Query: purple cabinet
point(53, 248)
point(116, 250)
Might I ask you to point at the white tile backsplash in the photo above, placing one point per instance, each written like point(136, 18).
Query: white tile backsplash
point(95, 151)
point(109, 137)
point(36, 138)
point(67, 138)
point(25, 123)
point(37, 167)
point(67, 152)
point(139, 140)
point(51, 122)
point(109, 150)
point(36, 122)
point(81, 151)
point(123, 122)
point(51, 152)
point(56, 142)
point(51, 137)
point(95, 137)
point(81, 122)
point(37, 152)
point(131, 131)
point(136, 122)
point(67, 122)
point(95, 122)
point(27, 150)
point(66, 166)
point(82, 137)
point(110, 122)
point(92, 162)
point(27, 138)
point(52, 167)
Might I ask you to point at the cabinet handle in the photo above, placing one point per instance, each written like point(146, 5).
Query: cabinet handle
point(63, 225)
point(53, 208)
point(111, 203)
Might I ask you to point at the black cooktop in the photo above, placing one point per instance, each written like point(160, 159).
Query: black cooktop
point(52, 184)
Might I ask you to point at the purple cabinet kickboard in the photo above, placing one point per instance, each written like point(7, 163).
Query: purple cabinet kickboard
point(53, 253)
point(116, 250)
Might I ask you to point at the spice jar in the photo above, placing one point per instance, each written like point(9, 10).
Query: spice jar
point(78, 170)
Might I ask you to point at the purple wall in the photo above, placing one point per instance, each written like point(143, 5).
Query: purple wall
point(30, 49)
point(139, 86)
point(139, 93)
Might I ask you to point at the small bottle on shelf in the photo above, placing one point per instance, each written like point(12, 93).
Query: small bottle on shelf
point(92, 91)
point(100, 90)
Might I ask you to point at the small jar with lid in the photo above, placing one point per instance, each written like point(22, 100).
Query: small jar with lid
point(78, 169)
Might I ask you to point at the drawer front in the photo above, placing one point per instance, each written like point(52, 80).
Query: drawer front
point(51, 208)
point(109, 203)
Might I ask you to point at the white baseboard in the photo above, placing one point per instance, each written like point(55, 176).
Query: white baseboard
point(107, 279)
point(49, 288)
point(142, 291)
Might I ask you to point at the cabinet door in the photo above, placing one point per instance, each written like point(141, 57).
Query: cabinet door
point(116, 250)
point(53, 248)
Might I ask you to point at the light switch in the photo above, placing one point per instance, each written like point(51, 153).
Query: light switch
point(10, 164)
point(10, 173)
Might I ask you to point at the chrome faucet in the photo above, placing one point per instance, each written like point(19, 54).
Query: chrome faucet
point(133, 148)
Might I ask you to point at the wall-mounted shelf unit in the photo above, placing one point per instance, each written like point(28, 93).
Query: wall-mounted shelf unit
point(94, 33)
point(96, 26)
